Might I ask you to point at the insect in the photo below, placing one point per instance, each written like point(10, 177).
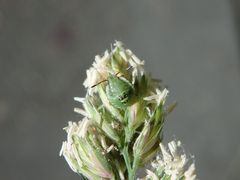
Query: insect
point(120, 92)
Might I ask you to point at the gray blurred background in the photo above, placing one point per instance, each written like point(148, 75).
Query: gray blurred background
point(46, 46)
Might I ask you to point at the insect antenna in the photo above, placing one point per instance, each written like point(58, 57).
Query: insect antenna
point(98, 83)
point(130, 67)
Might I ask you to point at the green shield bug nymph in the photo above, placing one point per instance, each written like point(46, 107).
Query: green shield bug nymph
point(120, 92)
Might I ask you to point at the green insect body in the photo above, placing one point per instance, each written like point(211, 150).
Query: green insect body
point(120, 92)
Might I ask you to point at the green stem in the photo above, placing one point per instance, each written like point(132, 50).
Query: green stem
point(127, 160)
point(126, 155)
point(135, 165)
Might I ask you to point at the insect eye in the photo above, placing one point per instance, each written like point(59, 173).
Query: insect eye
point(125, 95)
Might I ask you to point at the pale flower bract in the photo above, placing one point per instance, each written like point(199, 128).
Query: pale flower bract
point(172, 163)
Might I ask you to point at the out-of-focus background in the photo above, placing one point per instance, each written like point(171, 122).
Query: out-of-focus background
point(46, 46)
